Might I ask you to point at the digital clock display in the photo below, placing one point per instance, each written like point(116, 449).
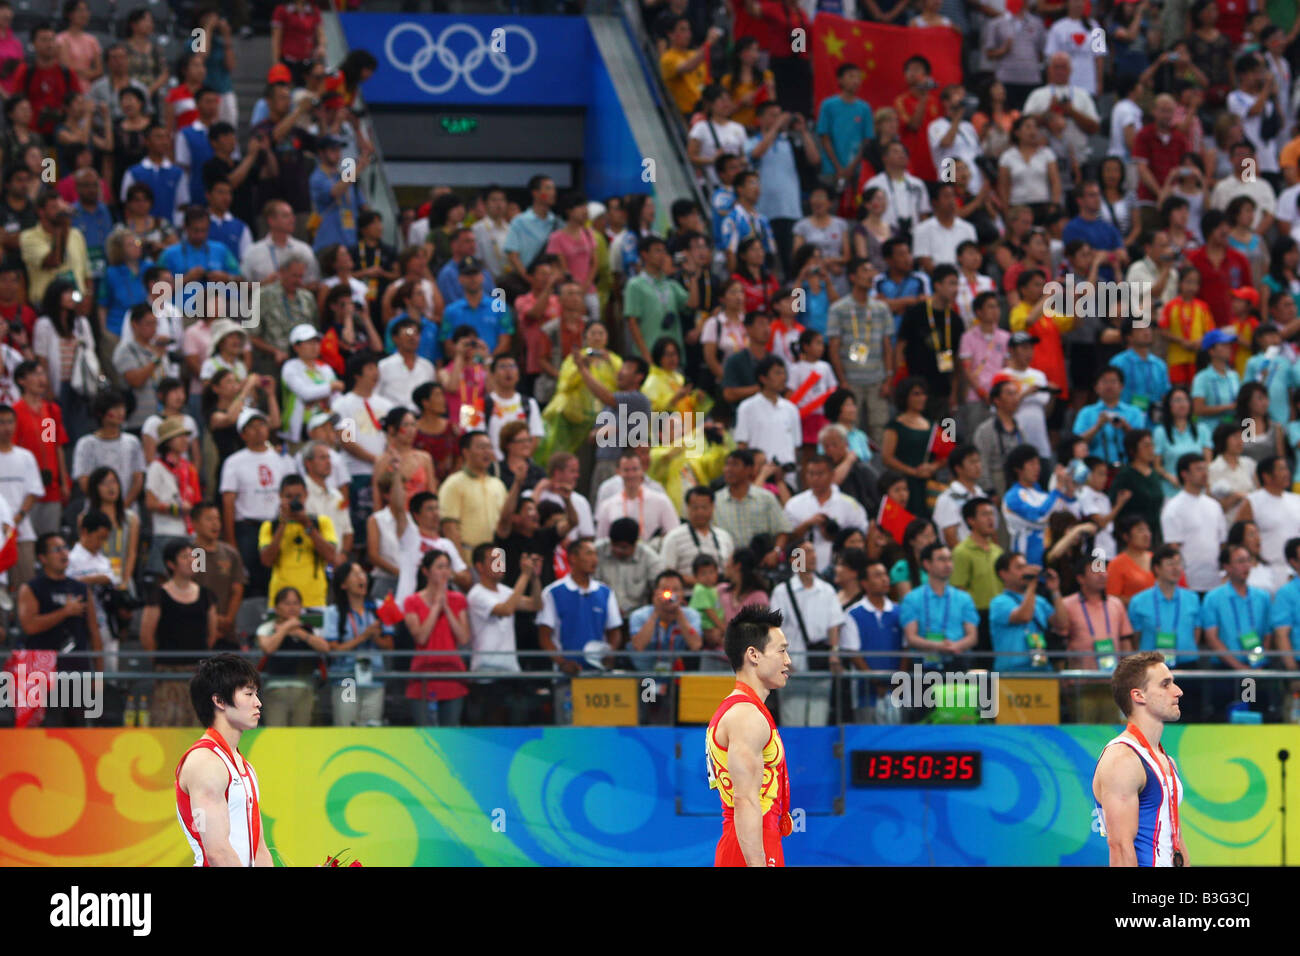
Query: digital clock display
point(915, 768)
point(458, 125)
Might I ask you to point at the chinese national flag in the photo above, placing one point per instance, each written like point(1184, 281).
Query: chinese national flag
point(894, 518)
point(881, 51)
point(388, 612)
point(9, 552)
point(940, 445)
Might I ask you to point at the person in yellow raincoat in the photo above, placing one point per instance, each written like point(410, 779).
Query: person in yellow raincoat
point(571, 413)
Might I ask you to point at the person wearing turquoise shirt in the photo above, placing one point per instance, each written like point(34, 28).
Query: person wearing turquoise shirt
point(1271, 368)
point(1235, 621)
point(1020, 617)
point(1165, 616)
point(939, 619)
point(1178, 434)
point(1215, 387)
point(1284, 615)
point(1146, 376)
point(1104, 423)
point(844, 123)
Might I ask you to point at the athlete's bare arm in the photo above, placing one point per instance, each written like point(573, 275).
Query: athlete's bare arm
point(1116, 785)
point(744, 732)
point(263, 855)
point(205, 778)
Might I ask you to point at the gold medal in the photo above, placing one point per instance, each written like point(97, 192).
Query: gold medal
point(468, 415)
point(859, 352)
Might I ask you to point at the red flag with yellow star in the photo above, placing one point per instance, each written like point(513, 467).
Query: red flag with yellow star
point(881, 51)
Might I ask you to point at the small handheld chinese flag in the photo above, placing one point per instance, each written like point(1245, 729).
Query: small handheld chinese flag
point(388, 611)
point(941, 445)
point(9, 551)
point(894, 518)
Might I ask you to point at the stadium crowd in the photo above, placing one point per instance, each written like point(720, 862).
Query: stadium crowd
point(946, 376)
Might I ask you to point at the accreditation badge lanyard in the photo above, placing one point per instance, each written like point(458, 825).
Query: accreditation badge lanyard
point(374, 422)
point(783, 782)
point(943, 355)
point(861, 348)
point(1170, 783)
point(1166, 640)
point(1236, 619)
point(1105, 611)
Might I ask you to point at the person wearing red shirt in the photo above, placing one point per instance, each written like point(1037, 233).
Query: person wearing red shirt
point(14, 309)
point(777, 21)
point(180, 109)
point(917, 108)
point(297, 35)
point(49, 84)
point(1158, 148)
point(1232, 19)
point(438, 620)
point(39, 429)
point(1222, 268)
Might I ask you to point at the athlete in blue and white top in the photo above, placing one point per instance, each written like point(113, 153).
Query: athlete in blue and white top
point(1025, 506)
point(1136, 784)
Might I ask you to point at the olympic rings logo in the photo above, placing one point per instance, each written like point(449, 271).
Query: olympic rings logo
point(451, 62)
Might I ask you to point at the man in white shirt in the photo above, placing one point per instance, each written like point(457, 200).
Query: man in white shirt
point(1244, 181)
point(1276, 512)
point(20, 488)
point(324, 498)
point(812, 620)
point(250, 494)
point(88, 564)
point(561, 479)
point(361, 432)
point(716, 134)
point(320, 428)
point(401, 372)
point(766, 421)
point(1195, 522)
point(697, 535)
point(935, 241)
point(967, 469)
point(1035, 396)
point(504, 404)
point(490, 232)
point(1125, 119)
point(953, 137)
point(909, 200)
point(613, 485)
point(261, 263)
point(492, 607)
point(1070, 100)
point(653, 512)
point(1077, 40)
point(822, 509)
point(1254, 101)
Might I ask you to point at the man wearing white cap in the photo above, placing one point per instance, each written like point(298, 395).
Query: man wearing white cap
point(305, 381)
point(250, 493)
point(324, 498)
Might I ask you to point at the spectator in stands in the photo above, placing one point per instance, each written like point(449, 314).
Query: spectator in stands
point(402, 372)
point(531, 228)
point(11, 48)
point(937, 617)
point(685, 71)
point(627, 564)
point(145, 60)
point(335, 196)
point(576, 246)
point(54, 248)
point(193, 139)
point(198, 258)
point(746, 510)
point(462, 249)
point(32, 414)
point(57, 613)
point(652, 300)
point(936, 240)
point(110, 446)
point(167, 181)
point(307, 383)
point(655, 513)
point(745, 221)
point(821, 512)
point(698, 535)
point(298, 546)
point(908, 198)
point(171, 488)
point(283, 305)
point(355, 633)
point(1064, 108)
point(766, 420)
point(438, 620)
point(471, 495)
point(715, 134)
point(492, 609)
point(576, 610)
point(220, 570)
point(182, 617)
point(45, 81)
point(476, 308)
point(154, 233)
point(17, 211)
point(250, 481)
point(1242, 180)
point(289, 688)
point(1106, 423)
point(662, 625)
point(844, 124)
point(22, 488)
point(1020, 616)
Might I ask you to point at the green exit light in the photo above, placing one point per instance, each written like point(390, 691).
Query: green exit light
point(458, 125)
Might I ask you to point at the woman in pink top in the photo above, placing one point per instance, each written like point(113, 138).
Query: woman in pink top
point(438, 620)
point(79, 51)
point(11, 48)
point(575, 244)
point(743, 585)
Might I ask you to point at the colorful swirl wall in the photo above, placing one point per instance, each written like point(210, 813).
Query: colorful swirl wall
point(621, 796)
